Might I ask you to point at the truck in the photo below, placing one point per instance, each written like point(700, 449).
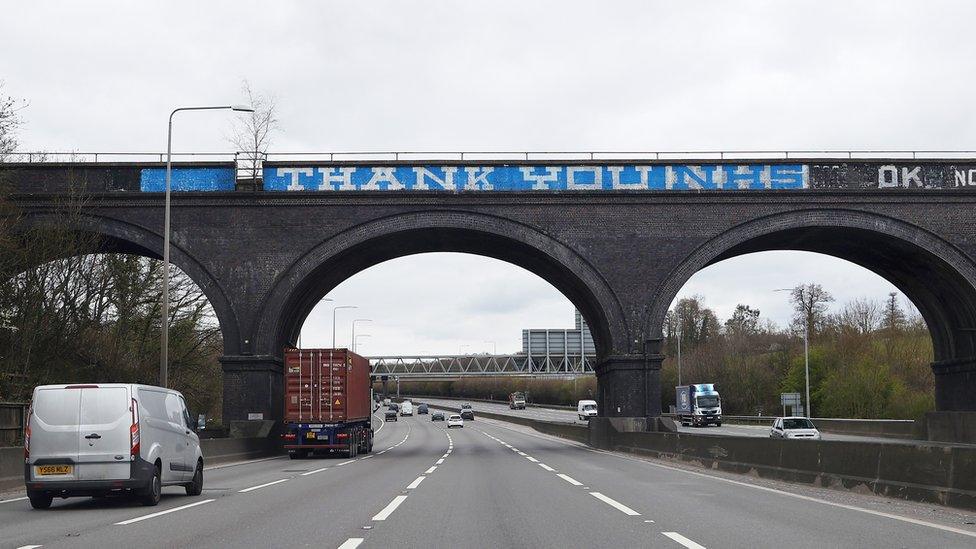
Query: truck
point(327, 403)
point(698, 405)
point(516, 400)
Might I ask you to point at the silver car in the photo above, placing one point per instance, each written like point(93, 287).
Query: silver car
point(794, 428)
point(109, 438)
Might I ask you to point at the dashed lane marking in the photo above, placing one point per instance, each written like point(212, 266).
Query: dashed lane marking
point(313, 471)
point(431, 470)
point(351, 543)
point(615, 504)
point(438, 462)
point(345, 463)
point(547, 468)
point(259, 486)
point(161, 513)
point(388, 510)
point(416, 483)
point(683, 540)
point(532, 459)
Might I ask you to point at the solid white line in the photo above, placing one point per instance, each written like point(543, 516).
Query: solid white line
point(547, 468)
point(388, 510)
point(166, 512)
point(438, 462)
point(365, 457)
point(381, 452)
point(261, 486)
point(569, 479)
point(29, 546)
point(615, 504)
point(345, 462)
point(431, 470)
point(683, 540)
point(314, 471)
point(14, 499)
point(532, 459)
point(416, 483)
point(351, 543)
point(382, 424)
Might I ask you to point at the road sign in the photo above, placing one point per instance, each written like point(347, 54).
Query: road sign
point(790, 399)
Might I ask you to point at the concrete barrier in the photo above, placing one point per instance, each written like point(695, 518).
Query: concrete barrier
point(215, 451)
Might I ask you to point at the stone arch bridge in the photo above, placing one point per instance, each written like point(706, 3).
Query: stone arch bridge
point(618, 238)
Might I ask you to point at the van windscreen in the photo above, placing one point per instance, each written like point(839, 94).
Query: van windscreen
point(104, 405)
point(57, 406)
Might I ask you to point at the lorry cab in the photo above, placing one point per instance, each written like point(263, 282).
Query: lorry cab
point(698, 405)
point(109, 438)
point(516, 401)
point(586, 409)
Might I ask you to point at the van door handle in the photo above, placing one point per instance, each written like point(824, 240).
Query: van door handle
point(93, 435)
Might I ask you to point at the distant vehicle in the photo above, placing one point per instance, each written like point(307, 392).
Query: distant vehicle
point(586, 409)
point(455, 421)
point(794, 427)
point(390, 415)
point(465, 406)
point(109, 438)
point(437, 416)
point(386, 402)
point(467, 413)
point(516, 400)
point(421, 409)
point(394, 406)
point(327, 403)
point(698, 405)
point(406, 408)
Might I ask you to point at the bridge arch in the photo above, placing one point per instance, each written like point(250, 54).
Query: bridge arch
point(300, 288)
point(937, 277)
point(117, 236)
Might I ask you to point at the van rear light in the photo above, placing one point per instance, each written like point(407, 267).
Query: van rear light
point(342, 435)
point(289, 436)
point(27, 433)
point(134, 430)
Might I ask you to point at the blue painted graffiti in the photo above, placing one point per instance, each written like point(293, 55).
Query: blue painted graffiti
point(187, 179)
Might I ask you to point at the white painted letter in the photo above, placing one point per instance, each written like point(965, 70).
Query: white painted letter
point(383, 175)
point(908, 176)
point(343, 178)
point(294, 185)
point(446, 184)
point(541, 182)
point(476, 181)
point(597, 172)
point(887, 177)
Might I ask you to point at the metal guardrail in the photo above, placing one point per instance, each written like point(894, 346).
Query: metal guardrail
point(450, 366)
point(462, 156)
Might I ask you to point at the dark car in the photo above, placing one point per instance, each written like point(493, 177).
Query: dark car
point(467, 413)
point(390, 415)
point(421, 409)
point(437, 416)
point(465, 406)
point(394, 406)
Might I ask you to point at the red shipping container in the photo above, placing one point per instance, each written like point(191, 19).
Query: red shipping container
point(326, 386)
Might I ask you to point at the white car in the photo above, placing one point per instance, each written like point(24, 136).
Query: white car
point(454, 420)
point(794, 428)
point(109, 438)
point(406, 408)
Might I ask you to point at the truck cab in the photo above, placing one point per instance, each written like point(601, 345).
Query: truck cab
point(516, 401)
point(698, 405)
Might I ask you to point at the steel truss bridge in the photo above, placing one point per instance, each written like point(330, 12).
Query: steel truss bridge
point(455, 366)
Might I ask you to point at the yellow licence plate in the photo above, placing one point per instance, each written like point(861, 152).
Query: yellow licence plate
point(310, 436)
point(53, 469)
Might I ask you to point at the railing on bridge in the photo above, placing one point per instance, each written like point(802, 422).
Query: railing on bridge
point(453, 366)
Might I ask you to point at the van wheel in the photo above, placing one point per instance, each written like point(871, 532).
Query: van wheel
point(195, 487)
point(151, 493)
point(40, 501)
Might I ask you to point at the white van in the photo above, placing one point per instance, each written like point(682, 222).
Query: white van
point(406, 408)
point(109, 438)
point(586, 409)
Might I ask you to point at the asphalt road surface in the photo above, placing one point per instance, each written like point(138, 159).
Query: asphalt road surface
point(489, 484)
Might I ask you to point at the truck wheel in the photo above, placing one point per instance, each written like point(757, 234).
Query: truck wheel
point(718, 423)
point(150, 494)
point(195, 487)
point(40, 501)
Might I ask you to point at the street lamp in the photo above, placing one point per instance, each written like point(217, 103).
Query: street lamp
point(164, 324)
point(354, 330)
point(355, 341)
point(300, 330)
point(334, 309)
point(806, 349)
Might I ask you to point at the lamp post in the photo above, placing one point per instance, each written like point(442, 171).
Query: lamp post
point(679, 351)
point(164, 321)
point(354, 330)
point(334, 309)
point(355, 341)
point(303, 326)
point(806, 350)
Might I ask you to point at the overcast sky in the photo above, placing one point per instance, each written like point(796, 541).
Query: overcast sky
point(513, 75)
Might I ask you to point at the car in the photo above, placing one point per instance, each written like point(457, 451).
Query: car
point(467, 413)
point(455, 420)
point(386, 402)
point(394, 406)
point(421, 409)
point(390, 415)
point(437, 416)
point(406, 409)
point(465, 406)
point(794, 428)
point(103, 439)
point(586, 409)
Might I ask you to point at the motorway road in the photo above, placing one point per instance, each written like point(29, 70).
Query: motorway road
point(490, 484)
point(569, 416)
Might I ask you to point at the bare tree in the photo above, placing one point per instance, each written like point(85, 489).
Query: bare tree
point(861, 316)
point(810, 307)
point(252, 133)
point(9, 122)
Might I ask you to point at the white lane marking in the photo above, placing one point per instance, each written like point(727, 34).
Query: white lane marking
point(258, 487)
point(683, 540)
point(351, 543)
point(445, 455)
point(14, 499)
point(382, 424)
point(345, 462)
point(29, 546)
point(236, 463)
point(431, 470)
point(569, 479)
point(381, 452)
point(416, 482)
point(532, 459)
point(547, 468)
point(438, 462)
point(615, 504)
point(365, 457)
point(314, 471)
point(161, 513)
point(388, 510)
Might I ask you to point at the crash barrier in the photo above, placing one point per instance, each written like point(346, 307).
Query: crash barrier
point(919, 471)
point(215, 451)
point(421, 398)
